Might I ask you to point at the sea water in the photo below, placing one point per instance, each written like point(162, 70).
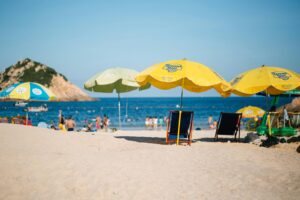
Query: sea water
point(135, 110)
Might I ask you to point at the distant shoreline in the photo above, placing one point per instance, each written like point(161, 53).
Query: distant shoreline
point(99, 98)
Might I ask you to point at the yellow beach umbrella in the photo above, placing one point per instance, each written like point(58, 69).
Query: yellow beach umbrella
point(192, 76)
point(272, 80)
point(251, 112)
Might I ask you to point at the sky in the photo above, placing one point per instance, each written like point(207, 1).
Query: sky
point(82, 38)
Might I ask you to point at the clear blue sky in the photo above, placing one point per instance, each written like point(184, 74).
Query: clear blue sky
point(81, 38)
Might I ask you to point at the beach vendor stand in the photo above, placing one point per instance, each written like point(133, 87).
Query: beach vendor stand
point(189, 75)
point(291, 117)
point(272, 81)
point(295, 119)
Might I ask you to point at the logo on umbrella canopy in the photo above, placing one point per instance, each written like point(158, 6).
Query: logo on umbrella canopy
point(10, 89)
point(282, 75)
point(236, 80)
point(21, 90)
point(172, 67)
point(36, 91)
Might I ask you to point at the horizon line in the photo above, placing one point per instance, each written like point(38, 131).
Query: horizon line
point(179, 97)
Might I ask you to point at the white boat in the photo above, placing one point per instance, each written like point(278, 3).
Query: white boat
point(42, 108)
point(21, 104)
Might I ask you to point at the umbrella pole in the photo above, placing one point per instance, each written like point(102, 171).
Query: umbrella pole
point(119, 105)
point(269, 124)
point(178, 130)
point(126, 108)
point(179, 120)
point(26, 118)
point(267, 105)
point(181, 97)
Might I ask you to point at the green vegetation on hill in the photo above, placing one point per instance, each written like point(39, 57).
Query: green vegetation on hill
point(43, 76)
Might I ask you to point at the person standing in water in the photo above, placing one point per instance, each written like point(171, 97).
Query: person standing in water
point(70, 124)
point(106, 122)
point(61, 121)
point(210, 120)
point(99, 124)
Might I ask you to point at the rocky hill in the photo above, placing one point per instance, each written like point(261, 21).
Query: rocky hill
point(294, 106)
point(29, 70)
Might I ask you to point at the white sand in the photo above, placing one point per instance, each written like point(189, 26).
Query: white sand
point(44, 164)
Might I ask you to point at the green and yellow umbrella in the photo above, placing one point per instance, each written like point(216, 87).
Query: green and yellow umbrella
point(116, 79)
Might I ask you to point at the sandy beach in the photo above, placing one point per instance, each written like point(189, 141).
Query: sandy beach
point(46, 164)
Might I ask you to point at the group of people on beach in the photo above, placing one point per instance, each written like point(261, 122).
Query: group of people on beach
point(154, 122)
point(102, 123)
point(212, 123)
point(69, 124)
point(17, 120)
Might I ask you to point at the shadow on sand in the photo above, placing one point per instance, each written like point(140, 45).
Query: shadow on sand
point(162, 141)
point(151, 140)
point(223, 140)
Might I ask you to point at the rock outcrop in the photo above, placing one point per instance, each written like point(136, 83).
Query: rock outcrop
point(67, 91)
point(32, 71)
point(294, 105)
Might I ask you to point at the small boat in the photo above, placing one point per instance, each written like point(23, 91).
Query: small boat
point(42, 108)
point(20, 104)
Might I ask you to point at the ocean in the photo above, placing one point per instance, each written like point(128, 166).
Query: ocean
point(137, 109)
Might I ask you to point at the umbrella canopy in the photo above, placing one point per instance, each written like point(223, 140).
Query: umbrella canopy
point(116, 79)
point(27, 91)
point(192, 76)
point(272, 80)
point(251, 112)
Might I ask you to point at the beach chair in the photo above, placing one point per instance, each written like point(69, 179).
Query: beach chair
point(229, 124)
point(186, 126)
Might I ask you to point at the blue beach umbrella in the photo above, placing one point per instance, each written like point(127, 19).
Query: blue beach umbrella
point(28, 91)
